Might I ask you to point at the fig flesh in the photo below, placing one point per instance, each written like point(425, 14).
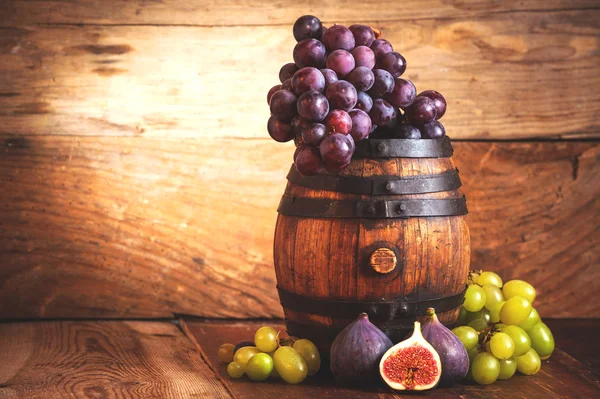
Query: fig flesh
point(412, 364)
point(356, 351)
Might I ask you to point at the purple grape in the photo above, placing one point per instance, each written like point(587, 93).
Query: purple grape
point(381, 47)
point(310, 53)
point(362, 78)
point(271, 92)
point(338, 121)
point(283, 105)
point(299, 123)
point(342, 95)
point(394, 63)
point(314, 133)
point(384, 83)
point(421, 111)
point(406, 131)
point(279, 130)
point(308, 161)
point(307, 27)
point(364, 56)
point(337, 149)
point(340, 61)
point(363, 35)
point(324, 31)
point(338, 37)
point(330, 76)
point(287, 71)
point(403, 95)
point(307, 79)
point(433, 130)
point(438, 100)
point(313, 106)
point(364, 102)
point(383, 113)
point(287, 85)
point(361, 124)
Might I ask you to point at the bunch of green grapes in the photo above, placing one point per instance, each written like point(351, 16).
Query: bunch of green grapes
point(500, 328)
point(289, 358)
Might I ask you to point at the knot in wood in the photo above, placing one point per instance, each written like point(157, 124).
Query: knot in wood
point(383, 260)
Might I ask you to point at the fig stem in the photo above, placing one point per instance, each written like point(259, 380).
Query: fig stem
point(431, 312)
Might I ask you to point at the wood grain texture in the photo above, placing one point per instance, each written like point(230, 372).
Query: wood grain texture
point(143, 227)
point(107, 359)
point(562, 376)
point(260, 12)
point(505, 75)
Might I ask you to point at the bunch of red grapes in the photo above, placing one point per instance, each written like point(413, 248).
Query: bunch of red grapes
point(345, 86)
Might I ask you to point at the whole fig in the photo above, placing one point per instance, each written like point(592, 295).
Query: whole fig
point(356, 351)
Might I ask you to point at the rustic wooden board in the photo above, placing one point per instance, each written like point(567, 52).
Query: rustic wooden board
point(108, 359)
point(505, 75)
point(259, 12)
point(143, 227)
point(562, 376)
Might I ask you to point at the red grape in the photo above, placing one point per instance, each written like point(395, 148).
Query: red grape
point(338, 37)
point(438, 100)
point(307, 79)
point(299, 123)
point(279, 130)
point(283, 105)
point(330, 76)
point(313, 106)
point(314, 133)
point(406, 131)
point(384, 83)
point(394, 63)
point(361, 124)
point(287, 85)
point(287, 71)
point(421, 111)
point(338, 121)
point(337, 149)
point(307, 27)
point(433, 130)
point(381, 47)
point(364, 102)
point(363, 35)
point(383, 113)
point(362, 78)
point(271, 92)
point(310, 53)
point(308, 161)
point(340, 61)
point(342, 95)
point(364, 56)
point(403, 95)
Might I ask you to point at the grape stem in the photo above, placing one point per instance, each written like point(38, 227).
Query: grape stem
point(376, 31)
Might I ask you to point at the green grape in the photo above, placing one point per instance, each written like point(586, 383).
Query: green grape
point(531, 320)
point(259, 367)
point(462, 317)
point(489, 278)
point(507, 368)
point(499, 326)
point(493, 296)
point(542, 340)
point(467, 335)
point(495, 312)
point(225, 353)
point(482, 314)
point(473, 352)
point(479, 325)
point(310, 353)
point(474, 298)
point(520, 338)
point(290, 365)
point(235, 370)
point(502, 346)
point(519, 288)
point(485, 368)
point(515, 311)
point(265, 339)
point(529, 363)
point(244, 354)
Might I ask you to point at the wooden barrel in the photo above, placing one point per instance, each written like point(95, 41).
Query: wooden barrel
point(387, 236)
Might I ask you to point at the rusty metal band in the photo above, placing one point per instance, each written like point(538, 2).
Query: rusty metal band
point(404, 148)
point(371, 209)
point(378, 185)
point(384, 311)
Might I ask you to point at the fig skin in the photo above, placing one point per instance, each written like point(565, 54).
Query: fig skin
point(453, 355)
point(416, 342)
point(356, 351)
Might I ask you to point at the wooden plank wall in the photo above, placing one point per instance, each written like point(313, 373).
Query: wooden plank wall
point(137, 178)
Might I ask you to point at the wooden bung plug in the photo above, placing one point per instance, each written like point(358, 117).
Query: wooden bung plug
point(383, 260)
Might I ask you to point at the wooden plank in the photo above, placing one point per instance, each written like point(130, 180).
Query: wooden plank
point(561, 376)
point(508, 75)
point(258, 12)
point(143, 227)
point(106, 359)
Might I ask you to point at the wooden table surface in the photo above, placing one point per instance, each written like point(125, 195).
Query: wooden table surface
point(177, 359)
